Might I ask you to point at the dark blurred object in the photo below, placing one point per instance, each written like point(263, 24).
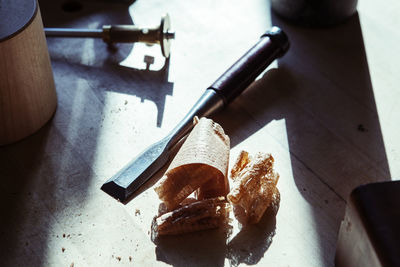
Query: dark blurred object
point(370, 232)
point(315, 12)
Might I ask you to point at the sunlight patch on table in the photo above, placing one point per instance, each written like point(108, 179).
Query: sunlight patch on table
point(384, 73)
point(295, 216)
point(89, 56)
point(130, 124)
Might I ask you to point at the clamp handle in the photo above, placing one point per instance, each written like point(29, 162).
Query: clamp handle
point(161, 34)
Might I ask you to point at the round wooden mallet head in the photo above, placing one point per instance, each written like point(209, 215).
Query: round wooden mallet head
point(27, 91)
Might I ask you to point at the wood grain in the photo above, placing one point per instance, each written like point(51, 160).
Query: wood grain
point(27, 90)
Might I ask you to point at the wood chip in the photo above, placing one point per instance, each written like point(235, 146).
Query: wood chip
point(195, 216)
point(254, 187)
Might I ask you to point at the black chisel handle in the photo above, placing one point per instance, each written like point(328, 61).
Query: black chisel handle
point(272, 45)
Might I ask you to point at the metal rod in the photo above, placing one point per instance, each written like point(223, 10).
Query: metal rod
point(209, 103)
point(78, 33)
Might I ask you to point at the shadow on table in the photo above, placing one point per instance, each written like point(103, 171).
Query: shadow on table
point(65, 13)
point(20, 210)
point(210, 247)
point(147, 85)
point(205, 248)
point(349, 149)
point(250, 244)
point(99, 63)
point(322, 90)
point(46, 177)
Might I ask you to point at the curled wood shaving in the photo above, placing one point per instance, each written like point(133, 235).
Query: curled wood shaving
point(254, 185)
point(200, 165)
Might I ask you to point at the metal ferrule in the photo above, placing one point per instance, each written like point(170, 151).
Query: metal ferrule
point(209, 103)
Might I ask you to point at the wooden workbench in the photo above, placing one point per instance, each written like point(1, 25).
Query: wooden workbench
point(328, 112)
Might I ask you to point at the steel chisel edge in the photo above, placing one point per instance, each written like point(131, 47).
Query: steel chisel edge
point(272, 45)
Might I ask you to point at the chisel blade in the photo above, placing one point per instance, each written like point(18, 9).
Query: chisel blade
point(128, 180)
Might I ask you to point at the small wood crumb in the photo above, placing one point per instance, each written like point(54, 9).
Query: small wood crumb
point(118, 258)
point(137, 212)
point(130, 258)
point(63, 235)
point(62, 249)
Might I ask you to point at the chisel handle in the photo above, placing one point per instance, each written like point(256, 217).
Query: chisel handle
point(272, 45)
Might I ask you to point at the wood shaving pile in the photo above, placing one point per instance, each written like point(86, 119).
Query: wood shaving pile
point(201, 167)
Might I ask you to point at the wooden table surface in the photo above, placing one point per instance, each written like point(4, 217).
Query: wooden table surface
point(328, 111)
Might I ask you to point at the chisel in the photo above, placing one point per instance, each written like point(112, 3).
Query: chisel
point(272, 45)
